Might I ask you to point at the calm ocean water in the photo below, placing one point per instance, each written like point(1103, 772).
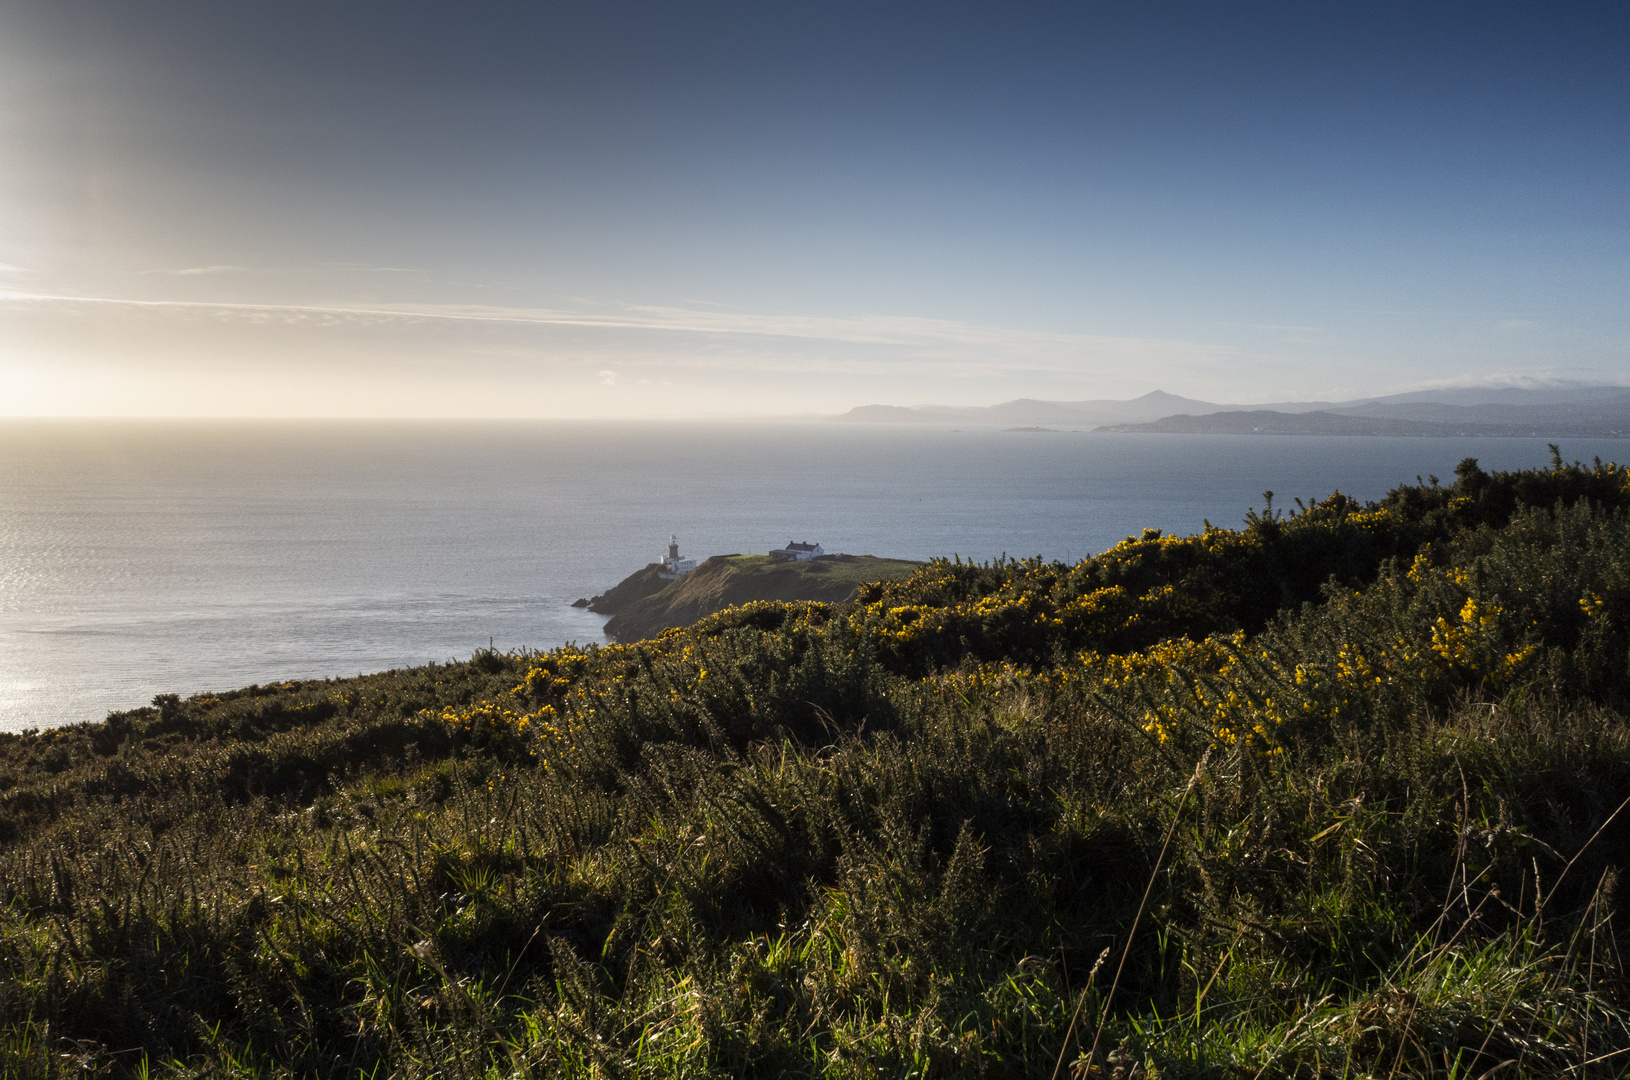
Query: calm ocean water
point(140, 558)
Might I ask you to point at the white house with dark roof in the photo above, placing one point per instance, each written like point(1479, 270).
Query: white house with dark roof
point(673, 564)
point(797, 552)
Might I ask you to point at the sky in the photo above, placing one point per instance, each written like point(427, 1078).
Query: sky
point(666, 208)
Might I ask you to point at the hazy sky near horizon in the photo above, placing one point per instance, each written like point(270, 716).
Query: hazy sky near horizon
point(216, 207)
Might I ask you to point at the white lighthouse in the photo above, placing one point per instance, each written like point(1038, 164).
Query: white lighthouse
point(673, 565)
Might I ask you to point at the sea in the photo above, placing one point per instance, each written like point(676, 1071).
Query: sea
point(139, 558)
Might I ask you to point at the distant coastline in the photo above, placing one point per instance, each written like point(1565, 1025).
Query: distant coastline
point(1269, 422)
point(1572, 411)
point(364, 547)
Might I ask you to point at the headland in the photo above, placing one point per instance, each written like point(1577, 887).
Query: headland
point(645, 603)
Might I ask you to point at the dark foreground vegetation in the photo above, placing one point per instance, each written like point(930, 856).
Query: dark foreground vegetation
point(1333, 795)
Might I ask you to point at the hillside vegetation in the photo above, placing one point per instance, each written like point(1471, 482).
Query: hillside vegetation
point(645, 604)
point(1337, 794)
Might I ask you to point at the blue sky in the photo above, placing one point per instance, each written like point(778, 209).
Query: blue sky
point(630, 209)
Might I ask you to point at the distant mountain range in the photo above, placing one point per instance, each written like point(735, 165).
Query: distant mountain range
point(1575, 411)
point(1030, 412)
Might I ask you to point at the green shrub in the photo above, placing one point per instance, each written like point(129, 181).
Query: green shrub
point(1336, 794)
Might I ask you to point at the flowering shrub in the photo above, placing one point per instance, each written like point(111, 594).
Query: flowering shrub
point(1342, 753)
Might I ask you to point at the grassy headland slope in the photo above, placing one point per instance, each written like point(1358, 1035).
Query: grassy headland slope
point(643, 604)
point(1337, 794)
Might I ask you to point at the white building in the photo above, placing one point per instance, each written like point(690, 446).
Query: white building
point(797, 552)
point(673, 565)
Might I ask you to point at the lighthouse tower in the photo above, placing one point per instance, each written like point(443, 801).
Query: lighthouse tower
point(673, 565)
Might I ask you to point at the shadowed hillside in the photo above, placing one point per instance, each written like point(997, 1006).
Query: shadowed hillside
point(1341, 793)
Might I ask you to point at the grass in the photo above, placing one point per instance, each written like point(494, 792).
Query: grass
point(644, 605)
point(1020, 819)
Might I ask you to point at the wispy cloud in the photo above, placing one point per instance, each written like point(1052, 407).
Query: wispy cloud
point(928, 342)
point(328, 268)
point(1278, 326)
point(197, 271)
point(364, 268)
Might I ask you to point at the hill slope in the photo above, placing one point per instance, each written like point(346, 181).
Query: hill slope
point(1343, 793)
point(643, 604)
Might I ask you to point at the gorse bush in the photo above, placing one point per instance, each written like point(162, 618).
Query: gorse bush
point(1336, 794)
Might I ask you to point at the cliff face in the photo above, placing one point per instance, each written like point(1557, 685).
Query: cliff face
point(643, 604)
point(636, 587)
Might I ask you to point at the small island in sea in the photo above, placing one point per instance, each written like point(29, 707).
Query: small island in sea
point(1342, 792)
